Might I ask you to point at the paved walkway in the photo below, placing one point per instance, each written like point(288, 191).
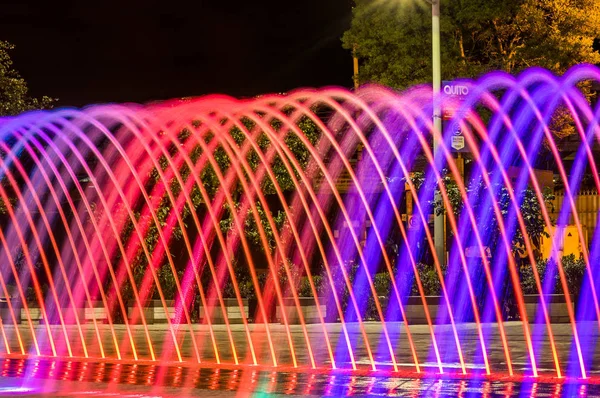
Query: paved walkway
point(295, 385)
point(130, 378)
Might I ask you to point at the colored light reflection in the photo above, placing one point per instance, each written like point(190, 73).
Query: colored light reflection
point(270, 233)
point(134, 383)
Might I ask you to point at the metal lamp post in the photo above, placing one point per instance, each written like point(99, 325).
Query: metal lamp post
point(439, 235)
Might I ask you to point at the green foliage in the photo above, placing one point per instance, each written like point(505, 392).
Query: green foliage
point(12, 201)
point(429, 279)
point(393, 39)
point(14, 100)
point(247, 289)
point(531, 208)
point(212, 184)
point(383, 286)
point(573, 267)
point(244, 281)
point(209, 179)
point(13, 88)
point(301, 283)
point(304, 289)
point(251, 230)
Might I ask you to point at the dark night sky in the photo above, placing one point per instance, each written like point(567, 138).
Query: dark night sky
point(88, 51)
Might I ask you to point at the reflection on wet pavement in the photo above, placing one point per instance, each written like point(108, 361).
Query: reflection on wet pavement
point(37, 377)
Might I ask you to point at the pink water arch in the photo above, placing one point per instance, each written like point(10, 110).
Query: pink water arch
point(292, 231)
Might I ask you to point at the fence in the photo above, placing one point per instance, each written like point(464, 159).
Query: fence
point(587, 205)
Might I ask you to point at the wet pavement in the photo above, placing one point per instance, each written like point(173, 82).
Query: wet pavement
point(71, 377)
point(75, 379)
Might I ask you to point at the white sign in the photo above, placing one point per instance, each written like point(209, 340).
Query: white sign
point(456, 90)
point(458, 142)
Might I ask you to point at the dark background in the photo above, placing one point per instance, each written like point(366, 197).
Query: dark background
point(91, 51)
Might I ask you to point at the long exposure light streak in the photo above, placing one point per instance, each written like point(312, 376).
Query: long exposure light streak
point(293, 231)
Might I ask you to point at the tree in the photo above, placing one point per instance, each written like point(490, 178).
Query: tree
point(14, 98)
point(393, 39)
point(212, 184)
point(529, 206)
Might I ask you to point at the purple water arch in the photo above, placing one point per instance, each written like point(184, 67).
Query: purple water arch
point(342, 216)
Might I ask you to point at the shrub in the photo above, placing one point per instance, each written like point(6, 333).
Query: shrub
point(429, 279)
point(304, 289)
point(574, 269)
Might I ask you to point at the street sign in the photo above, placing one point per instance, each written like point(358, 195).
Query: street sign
point(455, 92)
point(458, 142)
point(455, 89)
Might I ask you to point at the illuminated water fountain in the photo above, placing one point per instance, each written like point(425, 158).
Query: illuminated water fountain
point(293, 231)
